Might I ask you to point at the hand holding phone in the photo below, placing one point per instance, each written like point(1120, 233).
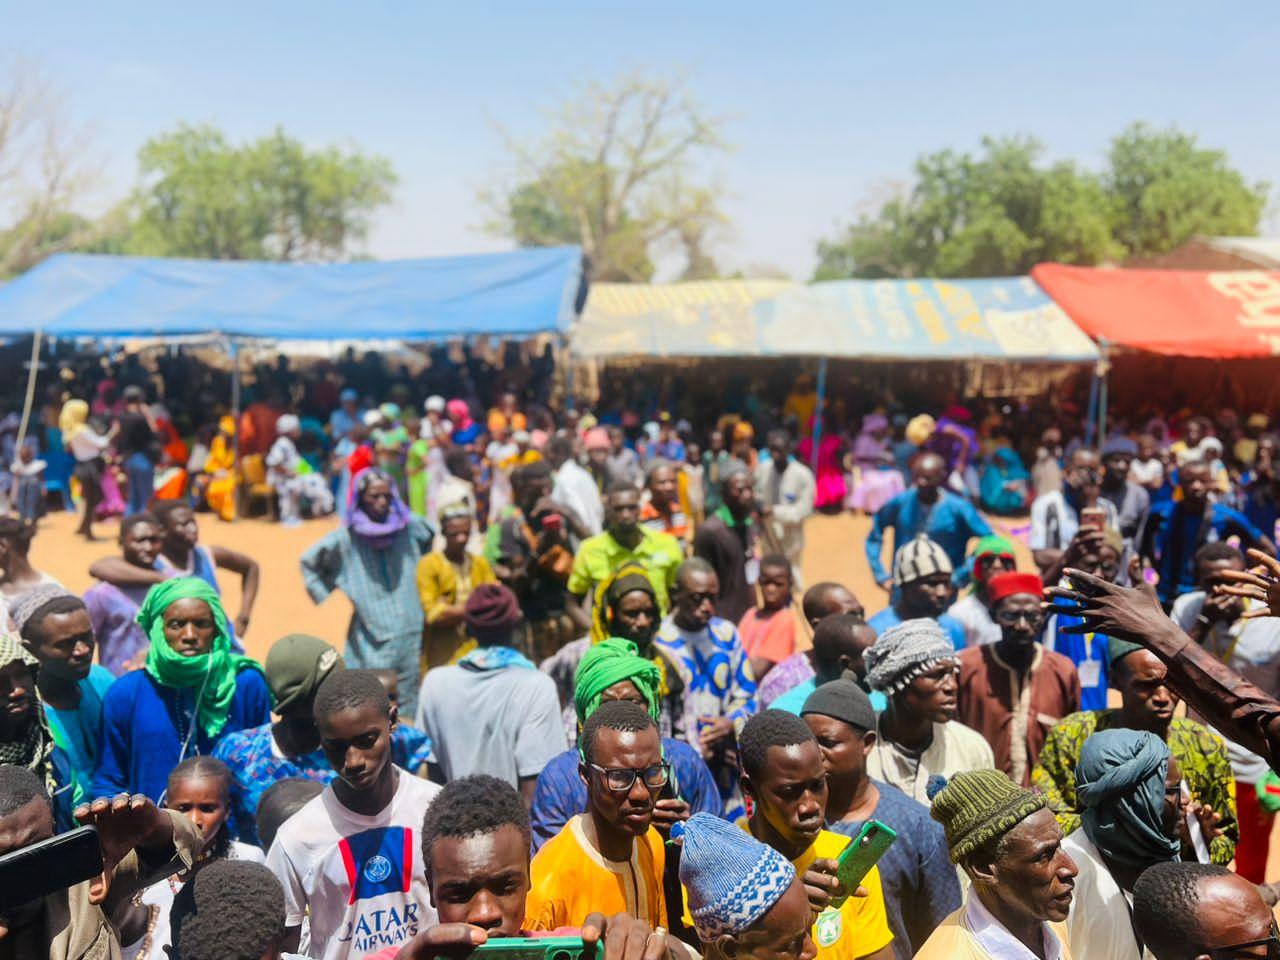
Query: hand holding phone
point(37, 870)
point(1093, 518)
point(857, 859)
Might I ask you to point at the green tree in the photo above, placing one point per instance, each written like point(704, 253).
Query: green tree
point(997, 213)
point(1171, 189)
point(272, 199)
point(1001, 211)
point(612, 174)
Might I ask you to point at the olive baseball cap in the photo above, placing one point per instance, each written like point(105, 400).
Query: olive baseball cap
point(296, 665)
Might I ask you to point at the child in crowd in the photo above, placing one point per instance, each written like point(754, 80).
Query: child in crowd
point(28, 476)
point(769, 631)
point(199, 788)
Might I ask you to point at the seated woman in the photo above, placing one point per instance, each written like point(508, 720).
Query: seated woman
point(878, 478)
point(1005, 483)
point(215, 485)
point(192, 692)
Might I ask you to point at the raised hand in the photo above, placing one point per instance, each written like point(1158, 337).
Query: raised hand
point(1128, 613)
point(1262, 584)
point(124, 823)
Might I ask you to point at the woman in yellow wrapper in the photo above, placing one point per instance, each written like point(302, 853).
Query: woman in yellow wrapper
point(219, 478)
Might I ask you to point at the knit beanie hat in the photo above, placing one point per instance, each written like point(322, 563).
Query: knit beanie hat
point(732, 879)
point(296, 665)
point(1004, 585)
point(844, 700)
point(919, 559)
point(904, 652)
point(491, 612)
point(27, 603)
point(977, 806)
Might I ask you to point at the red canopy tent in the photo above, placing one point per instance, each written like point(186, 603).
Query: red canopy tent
point(1174, 312)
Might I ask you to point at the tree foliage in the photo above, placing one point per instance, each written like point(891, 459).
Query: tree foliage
point(273, 199)
point(613, 175)
point(1002, 211)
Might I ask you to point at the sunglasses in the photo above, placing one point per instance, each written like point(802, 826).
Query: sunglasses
point(1237, 950)
point(622, 779)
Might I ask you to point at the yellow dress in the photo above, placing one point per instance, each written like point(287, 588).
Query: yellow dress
point(220, 493)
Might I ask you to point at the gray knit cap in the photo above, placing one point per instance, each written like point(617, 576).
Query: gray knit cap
point(904, 652)
point(919, 558)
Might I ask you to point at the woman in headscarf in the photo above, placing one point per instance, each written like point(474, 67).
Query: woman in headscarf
point(878, 479)
point(25, 737)
point(192, 692)
point(373, 559)
point(614, 670)
point(1005, 484)
point(465, 429)
point(218, 481)
point(87, 446)
point(627, 607)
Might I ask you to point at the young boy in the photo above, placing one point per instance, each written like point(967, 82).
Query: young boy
point(769, 631)
point(348, 860)
point(28, 475)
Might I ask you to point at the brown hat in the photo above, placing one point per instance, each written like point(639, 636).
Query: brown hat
point(491, 612)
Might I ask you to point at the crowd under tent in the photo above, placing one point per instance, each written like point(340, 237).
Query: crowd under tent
point(524, 293)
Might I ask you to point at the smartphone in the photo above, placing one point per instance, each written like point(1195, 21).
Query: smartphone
point(48, 866)
point(1093, 518)
point(552, 522)
point(857, 859)
point(530, 948)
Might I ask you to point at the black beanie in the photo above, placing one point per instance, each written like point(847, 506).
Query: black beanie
point(844, 700)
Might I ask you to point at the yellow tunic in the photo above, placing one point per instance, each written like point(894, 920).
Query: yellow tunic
point(858, 927)
point(572, 880)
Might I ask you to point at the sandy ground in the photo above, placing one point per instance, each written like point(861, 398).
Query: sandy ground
point(833, 552)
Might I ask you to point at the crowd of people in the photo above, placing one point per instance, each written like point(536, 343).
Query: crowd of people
point(586, 691)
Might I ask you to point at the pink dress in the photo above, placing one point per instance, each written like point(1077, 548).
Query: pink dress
point(831, 488)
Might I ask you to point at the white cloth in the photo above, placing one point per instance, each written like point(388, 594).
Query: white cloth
point(1046, 534)
point(1148, 473)
point(86, 444)
point(161, 896)
point(999, 943)
point(974, 616)
point(1099, 925)
point(955, 748)
point(574, 488)
point(792, 505)
point(358, 879)
point(282, 462)
point(1249, 647)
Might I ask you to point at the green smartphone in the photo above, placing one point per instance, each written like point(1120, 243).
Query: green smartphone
point(530, 948)
point(857, 859)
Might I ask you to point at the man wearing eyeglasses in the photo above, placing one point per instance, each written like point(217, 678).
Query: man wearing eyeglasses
point(1014, 690)
point(611, 858)
point(1193, 911)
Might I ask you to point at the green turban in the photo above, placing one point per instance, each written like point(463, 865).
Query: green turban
point(212, 675)
point(612, 661)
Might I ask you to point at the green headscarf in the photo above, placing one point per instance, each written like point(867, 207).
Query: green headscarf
point(606, 663)
point(214, 671)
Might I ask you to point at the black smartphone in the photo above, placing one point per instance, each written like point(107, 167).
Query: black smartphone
point(48, 866)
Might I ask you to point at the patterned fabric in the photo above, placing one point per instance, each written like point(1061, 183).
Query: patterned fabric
point(732, 878)
point(255, 765)
point(386, 625)
point(1201, 755)
point(717, 682)
point(790, 673)
point(34, 748)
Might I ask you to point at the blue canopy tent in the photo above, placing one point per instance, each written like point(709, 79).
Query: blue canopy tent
point(520, 294)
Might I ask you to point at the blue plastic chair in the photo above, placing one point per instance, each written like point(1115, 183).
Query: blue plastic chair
point(57, 475)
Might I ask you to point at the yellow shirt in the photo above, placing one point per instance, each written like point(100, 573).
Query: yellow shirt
point(857, 928)
point(570, 879)
point(659, 553)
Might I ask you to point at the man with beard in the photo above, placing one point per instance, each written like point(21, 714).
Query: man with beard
point(1010, 846)
point(784, 776)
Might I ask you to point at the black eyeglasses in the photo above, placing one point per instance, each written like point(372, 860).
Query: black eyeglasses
point(1235, 951)
point(622, 779)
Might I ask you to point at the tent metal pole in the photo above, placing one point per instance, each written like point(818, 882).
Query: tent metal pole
point(1104, 367)
point(234, 352)
point(31, 389)
point(818, 411)
point(1091, 416)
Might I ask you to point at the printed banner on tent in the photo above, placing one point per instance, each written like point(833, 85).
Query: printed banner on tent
point(1007, 318)
point(1176, 312)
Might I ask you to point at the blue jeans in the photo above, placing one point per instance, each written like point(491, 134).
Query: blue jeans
point(142, 482)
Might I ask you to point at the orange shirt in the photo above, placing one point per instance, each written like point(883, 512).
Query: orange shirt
point(769, 635)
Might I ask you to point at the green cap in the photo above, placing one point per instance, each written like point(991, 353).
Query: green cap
point(1120, 648)
point(296, 665)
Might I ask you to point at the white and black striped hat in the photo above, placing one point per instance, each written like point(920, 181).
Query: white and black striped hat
point(918, 559)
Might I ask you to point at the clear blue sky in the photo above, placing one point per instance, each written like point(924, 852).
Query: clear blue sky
point(826, 102)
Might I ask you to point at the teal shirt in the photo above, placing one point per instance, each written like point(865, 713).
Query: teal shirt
point(793, 700)
point(80, 729)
